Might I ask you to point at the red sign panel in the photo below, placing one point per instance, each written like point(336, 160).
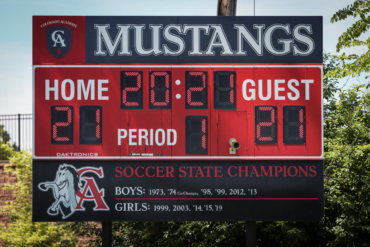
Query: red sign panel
point(178, 112)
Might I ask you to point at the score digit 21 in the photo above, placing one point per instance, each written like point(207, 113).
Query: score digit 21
point(178, 112)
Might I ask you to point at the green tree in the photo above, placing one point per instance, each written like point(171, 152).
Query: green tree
point(226, 233)
point(354, 64)
point(4, 139)
point(4, 135)
point(346, 180)
point(22, 231)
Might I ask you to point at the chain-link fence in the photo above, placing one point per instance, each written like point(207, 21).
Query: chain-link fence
point(17, 130)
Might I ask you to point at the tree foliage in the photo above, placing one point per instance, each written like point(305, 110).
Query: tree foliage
point(4, 139)
point(22, 231)
point(347, 144)
point(351, 38)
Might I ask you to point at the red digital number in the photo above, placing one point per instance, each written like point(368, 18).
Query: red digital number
point(294, 125)
point(224, 90)
point(196, 90)
point(132, 90)
point(196, 134)
point(90, 124)
point(204, 137)
point(266, 125)
point(160, 90)
point(62, 127)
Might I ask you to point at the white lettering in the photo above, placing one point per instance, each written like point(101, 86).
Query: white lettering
point(307, 88)
point(279, 89)
point(131, 136)
point(58, 39)
point(139, 137)
point(252, 90)
point(72, 89)
point(151, 137)
point(48, 89)
point(244, 34)
point(223, 42)
point(169, 131)
point(305, 39)
point(118, 191)
point(90, 88)
point(104, 37)
point(143, 134)
point(174, 39)
point(260, 90)
point(102, 89)
point(120, 136)
point(286, 42)
point(157, 137)
point(155, 40)
point(196, 37)
point(291, 87)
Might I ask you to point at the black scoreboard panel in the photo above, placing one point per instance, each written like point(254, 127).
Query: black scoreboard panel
point(184, 190)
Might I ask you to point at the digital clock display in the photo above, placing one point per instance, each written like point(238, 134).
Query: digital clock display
point(62, 124)
point(180, 112)
point(131, 90)
point(196, 90)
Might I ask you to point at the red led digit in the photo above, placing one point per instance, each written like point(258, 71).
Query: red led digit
point(98, 123)
point(294, 125)
point(266, 127)
point(301, 123)
point(204, 138)
point(265, 124)
point(196, 90)
point(62, 125)
point(232, 91)
point(224, 90)
point(160, 90)
point(196, 135)
point(131, 90)
point(90, 124)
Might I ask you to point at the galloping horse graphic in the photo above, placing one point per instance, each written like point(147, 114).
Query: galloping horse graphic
point(67, 182)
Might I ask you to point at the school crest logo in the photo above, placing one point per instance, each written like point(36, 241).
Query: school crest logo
point(58, 40)
point(72, 187)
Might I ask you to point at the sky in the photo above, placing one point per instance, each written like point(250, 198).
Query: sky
point(16, 30)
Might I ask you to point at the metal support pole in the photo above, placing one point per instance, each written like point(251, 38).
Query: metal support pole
point(250, 234)
point(226, 8)
point(106, 233)
point(19, 132)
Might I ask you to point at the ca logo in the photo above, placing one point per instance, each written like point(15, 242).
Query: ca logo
point(58, 40)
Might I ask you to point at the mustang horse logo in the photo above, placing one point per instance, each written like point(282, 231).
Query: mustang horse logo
point(70, 190)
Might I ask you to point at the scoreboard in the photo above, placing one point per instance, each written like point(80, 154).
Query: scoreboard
point(177, 118)
point(178, 112)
